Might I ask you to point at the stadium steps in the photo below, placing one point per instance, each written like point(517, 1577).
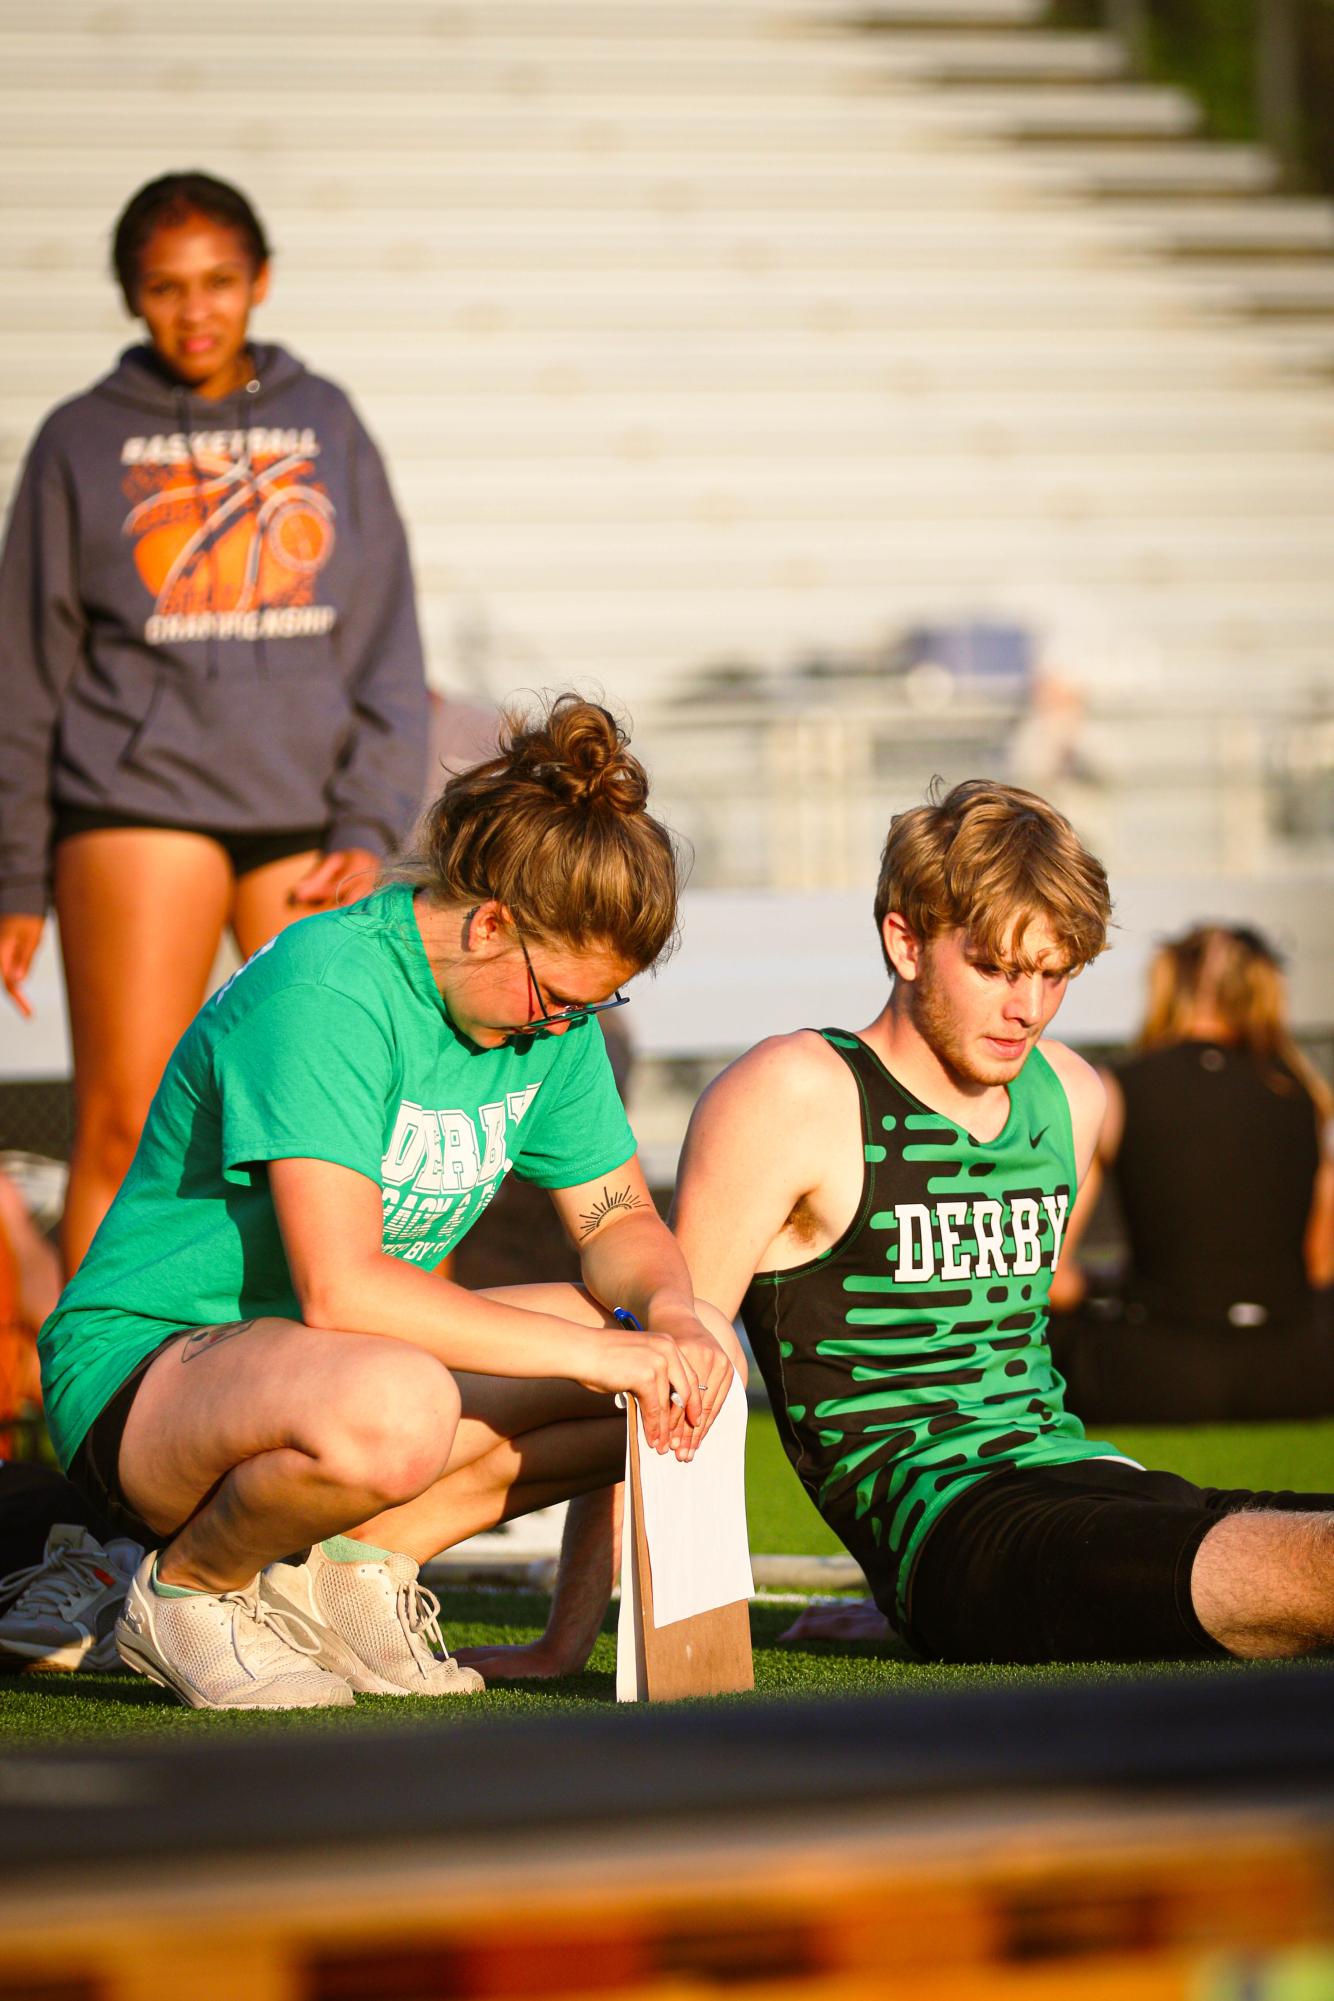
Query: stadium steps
point(747, 331)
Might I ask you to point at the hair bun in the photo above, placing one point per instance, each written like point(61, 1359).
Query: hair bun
point(555, 828)
point(580, 754)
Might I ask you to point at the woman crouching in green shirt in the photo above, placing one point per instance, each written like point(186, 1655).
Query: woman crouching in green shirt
point(259, 1357)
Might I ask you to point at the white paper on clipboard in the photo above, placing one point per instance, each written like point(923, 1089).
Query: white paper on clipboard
point(695, 1530)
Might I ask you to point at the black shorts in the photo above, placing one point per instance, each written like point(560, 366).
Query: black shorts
point(95, 1467)
point(1086, 1562)
point(245, 852)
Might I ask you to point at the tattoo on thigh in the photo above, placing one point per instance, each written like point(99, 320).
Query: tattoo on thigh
point(210, 1337)
point(606, 1205)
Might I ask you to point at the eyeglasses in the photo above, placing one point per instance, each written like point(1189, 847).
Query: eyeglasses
point(554, 1018)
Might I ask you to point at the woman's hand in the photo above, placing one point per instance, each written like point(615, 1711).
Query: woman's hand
point(627, 1253)
point(711, 1370)
point(20, 935)
point(651, 1367)
point(342, 876)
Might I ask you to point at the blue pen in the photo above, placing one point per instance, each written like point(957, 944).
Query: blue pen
point(625, 1318)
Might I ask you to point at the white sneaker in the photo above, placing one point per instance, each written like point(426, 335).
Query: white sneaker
point(375, 1623)
point(224, 1651)
point(60, 1614)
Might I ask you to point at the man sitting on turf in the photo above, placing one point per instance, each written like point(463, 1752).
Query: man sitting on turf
point(885, 1207)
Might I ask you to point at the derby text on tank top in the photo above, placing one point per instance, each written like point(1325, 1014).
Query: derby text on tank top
point(910, 1359)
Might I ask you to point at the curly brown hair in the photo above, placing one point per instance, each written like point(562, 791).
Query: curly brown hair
point(556, 827)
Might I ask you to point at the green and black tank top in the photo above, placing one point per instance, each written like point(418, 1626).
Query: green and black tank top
point(911, 1358)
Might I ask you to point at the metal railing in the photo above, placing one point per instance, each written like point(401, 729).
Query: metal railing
point(796, 796)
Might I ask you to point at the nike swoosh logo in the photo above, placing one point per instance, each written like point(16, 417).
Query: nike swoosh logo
point(1035, 1139)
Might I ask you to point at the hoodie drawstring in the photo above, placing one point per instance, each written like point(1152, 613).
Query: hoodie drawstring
point(252, 389)
point(240, 417)
point(201, 512)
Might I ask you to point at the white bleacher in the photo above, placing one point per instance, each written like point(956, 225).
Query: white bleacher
point(740, 330)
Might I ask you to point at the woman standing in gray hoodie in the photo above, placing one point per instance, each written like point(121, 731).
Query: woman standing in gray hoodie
point(213, 684)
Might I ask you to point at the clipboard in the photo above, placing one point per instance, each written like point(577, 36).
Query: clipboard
point(704, 1653)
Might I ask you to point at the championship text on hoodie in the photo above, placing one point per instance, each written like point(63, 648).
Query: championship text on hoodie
point(229, 528)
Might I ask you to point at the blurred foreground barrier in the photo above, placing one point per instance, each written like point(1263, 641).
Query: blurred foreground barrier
point(1165, 1838)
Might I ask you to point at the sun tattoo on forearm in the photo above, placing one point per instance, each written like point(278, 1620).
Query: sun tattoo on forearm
point(606, 1205)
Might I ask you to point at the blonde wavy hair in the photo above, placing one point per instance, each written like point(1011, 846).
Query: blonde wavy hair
point(990, 860)
point(1234, 973)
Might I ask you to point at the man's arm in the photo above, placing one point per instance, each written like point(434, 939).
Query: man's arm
point(590, 1554)
point(1087, 1095)
point(751, 1153)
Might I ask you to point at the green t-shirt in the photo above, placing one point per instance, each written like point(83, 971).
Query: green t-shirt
point(331, 1043)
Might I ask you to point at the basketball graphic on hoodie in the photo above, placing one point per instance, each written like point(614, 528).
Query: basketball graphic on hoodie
point(232, 527)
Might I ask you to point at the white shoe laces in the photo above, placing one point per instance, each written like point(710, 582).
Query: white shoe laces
point(288, 1628)
point(56, 1584)
point(419, 1616)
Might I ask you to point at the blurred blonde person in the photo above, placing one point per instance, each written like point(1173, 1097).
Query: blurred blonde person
point(1217, 1143)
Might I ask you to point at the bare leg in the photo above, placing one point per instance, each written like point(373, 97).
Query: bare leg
point(570, 1451)
point(521, 1444)
point(1263, 1583)
point(30, 1275)
point(260, 903)
point(253, 1441)
point(36, 1266)
point(141, 911)
point(548, 1458)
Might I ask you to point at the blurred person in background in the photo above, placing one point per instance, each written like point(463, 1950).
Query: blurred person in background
point(1217, 1143)
point(60, 1586)
point(29, 1288)
point(214, 693)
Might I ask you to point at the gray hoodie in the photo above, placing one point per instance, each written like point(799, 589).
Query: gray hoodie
point(206, 620)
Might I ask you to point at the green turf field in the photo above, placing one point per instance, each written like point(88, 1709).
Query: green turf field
point(46, 1709)
point(1301, 1456)
point(81, 1708)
